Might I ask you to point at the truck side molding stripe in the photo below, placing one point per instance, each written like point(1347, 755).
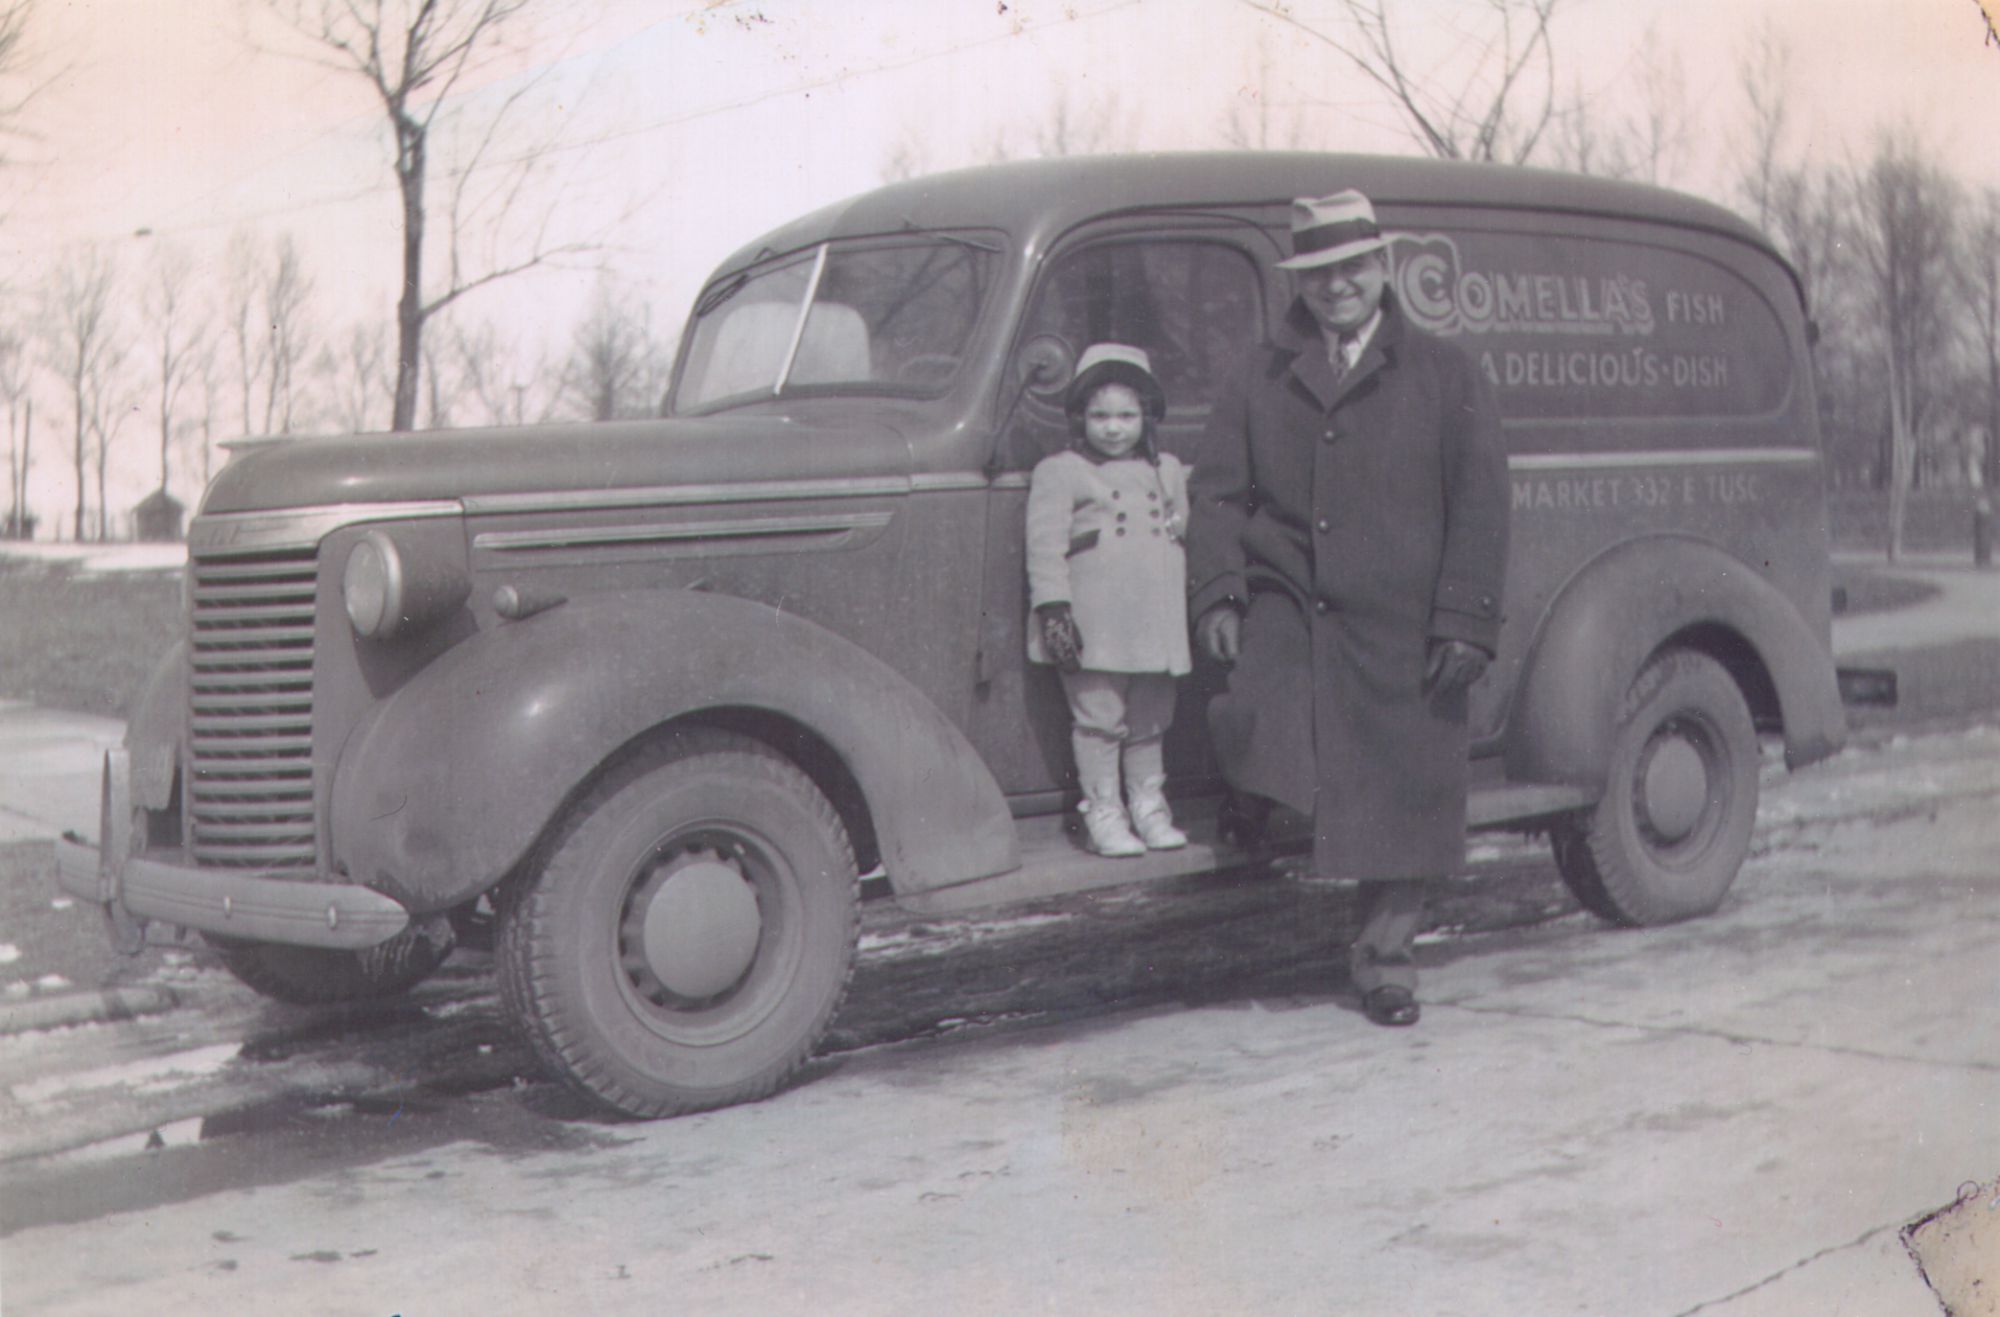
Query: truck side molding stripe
point(733, 528)
point(1662, 457)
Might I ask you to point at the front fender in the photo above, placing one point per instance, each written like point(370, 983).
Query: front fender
point(157, 729)
point(445, 785)
point(1620, 608)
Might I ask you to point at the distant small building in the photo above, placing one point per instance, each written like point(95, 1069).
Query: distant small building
point(157, 518)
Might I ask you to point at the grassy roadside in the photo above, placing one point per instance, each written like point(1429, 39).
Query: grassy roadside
point(82, 641)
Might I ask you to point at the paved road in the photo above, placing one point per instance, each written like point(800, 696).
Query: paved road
point(1967, 607)
point(1734, 1116)
point(50, 768)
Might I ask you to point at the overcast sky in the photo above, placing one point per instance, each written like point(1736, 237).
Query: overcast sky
point(684, 129)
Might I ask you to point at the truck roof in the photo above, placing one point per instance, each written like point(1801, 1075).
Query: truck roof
point(1040, 199)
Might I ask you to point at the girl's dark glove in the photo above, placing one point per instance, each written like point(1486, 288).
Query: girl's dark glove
point(1060, 639)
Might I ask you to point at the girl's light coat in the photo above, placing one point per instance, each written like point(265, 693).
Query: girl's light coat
point(1106, 537)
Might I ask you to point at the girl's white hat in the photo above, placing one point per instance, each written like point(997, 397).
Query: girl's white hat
point(1115, 363)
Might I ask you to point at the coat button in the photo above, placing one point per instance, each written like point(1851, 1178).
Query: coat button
point(1321, 604)
point(1323, 525)
point(1156, 531)
point(1329, 436)
point(1114, 493)
point(1121, 529)
point(1121, 516)
point(1151, 496)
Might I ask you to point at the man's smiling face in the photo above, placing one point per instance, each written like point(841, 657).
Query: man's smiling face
point(1342, 295)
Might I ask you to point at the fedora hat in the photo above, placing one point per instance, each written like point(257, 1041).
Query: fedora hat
point(1115, 363)
point(1330, 229)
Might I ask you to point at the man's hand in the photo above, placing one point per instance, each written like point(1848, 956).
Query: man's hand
point(1060, 638)
point(1453, 666)
point(1219, 632)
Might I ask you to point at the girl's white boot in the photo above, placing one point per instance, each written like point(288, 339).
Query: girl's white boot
point(1103, 813)
point(1145, 789)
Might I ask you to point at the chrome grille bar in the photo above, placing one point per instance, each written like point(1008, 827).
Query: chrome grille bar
point(250, 709)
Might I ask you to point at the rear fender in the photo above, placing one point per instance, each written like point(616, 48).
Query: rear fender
point(1617, 612)
point(445, 785)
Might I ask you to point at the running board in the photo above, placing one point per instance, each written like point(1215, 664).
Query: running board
point(1054, 862)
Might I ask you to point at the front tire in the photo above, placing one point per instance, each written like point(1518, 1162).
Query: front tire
point(1673, 827)
point(321, 976)
point(687, 933)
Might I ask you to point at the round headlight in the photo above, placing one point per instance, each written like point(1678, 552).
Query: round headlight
point(373, 586)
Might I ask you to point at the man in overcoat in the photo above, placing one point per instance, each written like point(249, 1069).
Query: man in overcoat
point(1346, 553)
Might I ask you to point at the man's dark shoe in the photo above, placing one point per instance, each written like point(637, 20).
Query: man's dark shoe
point(1391, 1006)
point(1242, 820)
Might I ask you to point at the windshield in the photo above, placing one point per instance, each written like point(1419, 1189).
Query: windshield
point(877, 317)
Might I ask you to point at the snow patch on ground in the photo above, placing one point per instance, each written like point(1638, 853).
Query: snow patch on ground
point(929, 938)
point(102, 557)
point(153, 1074)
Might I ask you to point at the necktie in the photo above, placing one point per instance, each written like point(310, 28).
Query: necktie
point(1341, 346)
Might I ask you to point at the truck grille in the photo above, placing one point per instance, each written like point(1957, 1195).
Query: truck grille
point(250, 766)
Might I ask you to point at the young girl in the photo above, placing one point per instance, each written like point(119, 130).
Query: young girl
point(1106, 580)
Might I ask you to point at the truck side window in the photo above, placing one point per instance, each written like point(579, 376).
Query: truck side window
point(1194, 305)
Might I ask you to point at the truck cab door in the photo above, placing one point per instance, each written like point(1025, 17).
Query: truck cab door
point(1191, 292)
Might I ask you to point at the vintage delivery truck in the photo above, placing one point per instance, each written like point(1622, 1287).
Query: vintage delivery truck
point(657, 692)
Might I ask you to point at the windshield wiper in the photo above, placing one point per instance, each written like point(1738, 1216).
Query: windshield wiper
point(956, 239)
point(721, 293)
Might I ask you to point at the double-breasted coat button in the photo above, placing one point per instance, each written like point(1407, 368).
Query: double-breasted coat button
point(1114, 493)
point(1329, 436)
point(1121, 529)
point(1323, 526)
point(1121, 516)
point(1321, 605)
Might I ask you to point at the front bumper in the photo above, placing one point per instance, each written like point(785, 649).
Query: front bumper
point(241, 905)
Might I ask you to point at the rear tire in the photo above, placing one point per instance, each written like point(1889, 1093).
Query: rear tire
point(687, 933)
point(1680, 800)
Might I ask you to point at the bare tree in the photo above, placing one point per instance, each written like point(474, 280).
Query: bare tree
point(112, 400)
point(908, 158)
point(1663, 122)
point(1074, 129)
point(239, 322)
point(14, 385)
point(1904, 231)
point(355, 376)
point(208, 370)
point(1493, 102)
point(80, 331)
point(1979, 278)
point(414, 54)
point(1250, 125)
point(1068, 129)
point(509, 387)
point(1764, 70)
point(14, 16)
point(178, 337)
point(617, 367)
point(283, 290)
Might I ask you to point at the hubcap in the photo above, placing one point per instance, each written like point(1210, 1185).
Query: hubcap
point(698, 925)
point(1673, 786)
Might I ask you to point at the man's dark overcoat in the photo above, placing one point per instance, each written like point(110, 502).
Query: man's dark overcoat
point(1355, 521)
